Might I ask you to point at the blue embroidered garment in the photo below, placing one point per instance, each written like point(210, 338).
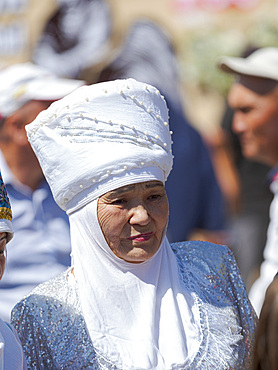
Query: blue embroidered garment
point(53, 333)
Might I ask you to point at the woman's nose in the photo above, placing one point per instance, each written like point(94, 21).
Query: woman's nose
point(139, 215)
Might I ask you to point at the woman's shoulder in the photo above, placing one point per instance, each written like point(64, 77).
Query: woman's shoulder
point(214, 255)
point(210, 274)
point(206, 267)
point(194, 245)
point(58, 289)
point(52, 286)
point(51, 326)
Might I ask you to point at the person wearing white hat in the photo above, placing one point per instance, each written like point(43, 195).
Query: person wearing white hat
point(40, 248)
point(11, 353)
point(130, 299)
point(254, 99)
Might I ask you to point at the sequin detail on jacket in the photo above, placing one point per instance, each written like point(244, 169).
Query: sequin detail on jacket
point(53, 333)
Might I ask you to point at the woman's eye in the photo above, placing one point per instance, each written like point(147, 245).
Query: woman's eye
point(2, 253)
point(118, 202)
point(155, 197)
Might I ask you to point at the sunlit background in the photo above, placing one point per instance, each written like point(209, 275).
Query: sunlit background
point(201, 30)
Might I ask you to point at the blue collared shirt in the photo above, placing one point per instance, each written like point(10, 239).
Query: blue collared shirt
point(40, 248)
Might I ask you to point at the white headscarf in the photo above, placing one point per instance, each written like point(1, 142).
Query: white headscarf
point(98, 139)
point(138, 315)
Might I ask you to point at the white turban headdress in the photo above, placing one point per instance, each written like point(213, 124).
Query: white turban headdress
point(99, 137)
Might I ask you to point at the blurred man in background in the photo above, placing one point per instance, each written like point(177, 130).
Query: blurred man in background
point(41, 246)
point(254, 99)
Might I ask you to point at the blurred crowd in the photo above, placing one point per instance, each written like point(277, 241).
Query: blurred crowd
point(75, 43)
point(218, 190)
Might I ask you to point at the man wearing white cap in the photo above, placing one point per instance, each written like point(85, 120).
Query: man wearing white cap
point(40, 248)
point(254, 99)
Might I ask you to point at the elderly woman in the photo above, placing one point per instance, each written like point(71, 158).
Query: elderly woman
point(11, 354)
point(130, 300)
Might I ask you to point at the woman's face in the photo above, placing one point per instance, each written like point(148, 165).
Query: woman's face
point(133, 219)
point(3, 241)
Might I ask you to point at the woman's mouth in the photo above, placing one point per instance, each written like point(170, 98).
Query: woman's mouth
point(141, 237)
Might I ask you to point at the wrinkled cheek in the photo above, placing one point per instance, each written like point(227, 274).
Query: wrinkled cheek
point(114, 244)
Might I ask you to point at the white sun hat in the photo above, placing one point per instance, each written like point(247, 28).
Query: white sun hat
point(261, 63)
point(20, 83)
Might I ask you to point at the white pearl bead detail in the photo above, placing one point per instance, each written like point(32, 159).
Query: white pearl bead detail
point(86, 128)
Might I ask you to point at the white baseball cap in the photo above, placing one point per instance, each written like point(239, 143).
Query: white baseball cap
point(261, 63)
point(20, 83)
